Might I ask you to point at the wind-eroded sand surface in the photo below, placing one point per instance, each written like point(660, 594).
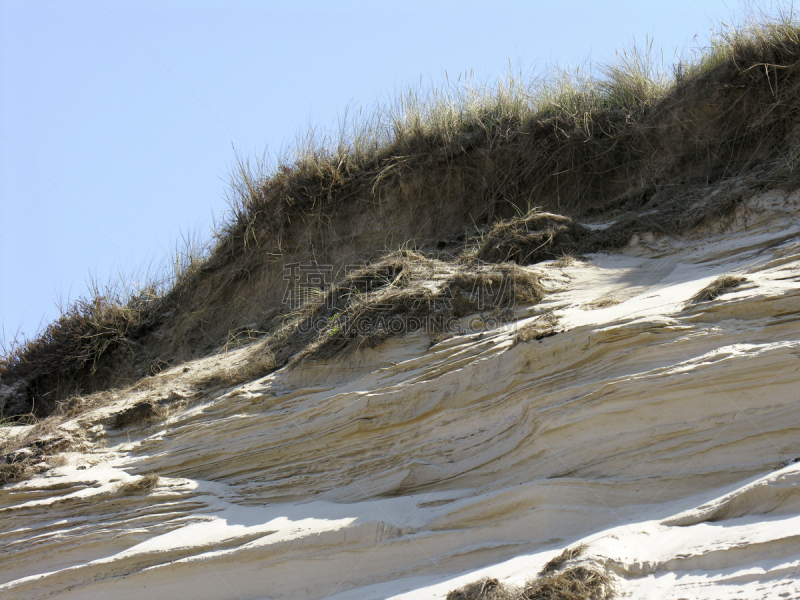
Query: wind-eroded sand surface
point(660, 432)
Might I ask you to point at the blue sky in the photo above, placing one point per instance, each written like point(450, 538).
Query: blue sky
point(118, 120)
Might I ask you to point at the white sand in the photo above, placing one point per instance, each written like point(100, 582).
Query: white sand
point(653, 432)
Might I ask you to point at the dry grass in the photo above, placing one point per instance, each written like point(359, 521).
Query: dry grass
point(138, 414)
point(576, 583)
point(405, 292)
point(441, 124)
point(604, 302)
point(553, 583)
point(485, 589)
point(630, 139)
point(143, 484)
point(24, 455)
point(101, 340)
point(259, 363)
point(561, 137)
point(77, 346)
point(538, 329)
point(555, 564)
point(717, 287)
point(535, 237)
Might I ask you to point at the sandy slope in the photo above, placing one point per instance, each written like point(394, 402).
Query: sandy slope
point(659, 432)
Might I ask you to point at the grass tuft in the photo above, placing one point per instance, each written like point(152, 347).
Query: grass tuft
point(535, 237)
point(630, 140)
point(25, 453)
point(73, 348)
point(717, 287)
point(485, 589)
point(576, 583)
point(579, 582)
point(404, 292)
point(143, 484)
point(538, 329)
point(556, 563)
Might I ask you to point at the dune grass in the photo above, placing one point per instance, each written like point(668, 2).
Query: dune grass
point(554, 582)
point(405, 292)
point(568, 140)
point(589, 111)
point(717, 287)
point(440, 122)
point(60, 360)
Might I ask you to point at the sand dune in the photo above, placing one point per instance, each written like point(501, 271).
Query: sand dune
point(661, 432)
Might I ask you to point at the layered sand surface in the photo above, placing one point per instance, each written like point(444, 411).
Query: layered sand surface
point(660, 431)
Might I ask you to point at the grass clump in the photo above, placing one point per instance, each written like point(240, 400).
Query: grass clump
point(143, 484)
point(76, 348)
point(579, 582)
point(23, 455)
point(485, 589)
point(555, 564)
point(103, 339)
point(404, 292)
point(575, 583)
point(535, 237)
point(717, 287)
point(629, 142)
point(538, 329)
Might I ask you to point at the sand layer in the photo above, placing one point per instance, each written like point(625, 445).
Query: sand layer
point(661, 432)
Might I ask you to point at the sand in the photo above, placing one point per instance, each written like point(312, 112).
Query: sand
point(658, 432)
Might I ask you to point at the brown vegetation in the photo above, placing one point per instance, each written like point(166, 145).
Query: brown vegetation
point(575, 583)
point(717, 287)
point(404, 292)
point(25, 455)
point(140, 485)
point(538, 329)
point(628, 145)
point(536, 237)
point(485, 589)
point(555, 564)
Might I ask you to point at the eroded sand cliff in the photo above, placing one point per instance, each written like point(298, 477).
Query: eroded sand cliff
point(662, 432)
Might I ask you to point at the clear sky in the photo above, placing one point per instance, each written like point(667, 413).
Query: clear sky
point(118, 119)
